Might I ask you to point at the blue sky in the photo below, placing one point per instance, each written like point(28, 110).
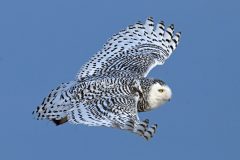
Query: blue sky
point(44, 43)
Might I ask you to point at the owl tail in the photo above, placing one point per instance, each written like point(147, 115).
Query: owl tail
point(55, 106)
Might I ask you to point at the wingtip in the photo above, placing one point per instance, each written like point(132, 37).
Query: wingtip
point(150, 18)
point(149, 22)
point(178, 34)
point(162, 22)
point(172, 26)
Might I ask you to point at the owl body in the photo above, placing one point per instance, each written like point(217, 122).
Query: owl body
point(99, 91)
point(111, 89)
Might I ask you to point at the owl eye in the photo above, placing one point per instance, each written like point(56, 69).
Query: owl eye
point(161, 90)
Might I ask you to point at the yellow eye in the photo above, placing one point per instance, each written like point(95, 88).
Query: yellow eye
point(161, 90)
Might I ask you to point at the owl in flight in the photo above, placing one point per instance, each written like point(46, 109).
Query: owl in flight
point(112, 87)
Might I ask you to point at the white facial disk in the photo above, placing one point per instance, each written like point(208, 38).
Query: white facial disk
point(158, 95)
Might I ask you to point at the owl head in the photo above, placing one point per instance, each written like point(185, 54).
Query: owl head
point(157, 93)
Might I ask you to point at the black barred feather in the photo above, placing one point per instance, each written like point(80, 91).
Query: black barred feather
point(151, 46)
point(111, 88)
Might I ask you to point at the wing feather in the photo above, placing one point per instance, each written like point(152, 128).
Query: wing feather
point(55, 105)
point(136, 41)
point(109, 112)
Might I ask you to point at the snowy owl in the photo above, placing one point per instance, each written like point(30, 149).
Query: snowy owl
point(112, 87)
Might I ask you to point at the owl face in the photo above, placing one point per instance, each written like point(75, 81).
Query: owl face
point(158, 95)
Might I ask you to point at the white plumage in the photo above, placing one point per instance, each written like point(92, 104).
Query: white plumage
point(111, 88)
point(158, 95)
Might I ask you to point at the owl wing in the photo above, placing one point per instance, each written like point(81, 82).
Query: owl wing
point(72, 102)
point(105, 111)
point(135, 50)
point(117, 112)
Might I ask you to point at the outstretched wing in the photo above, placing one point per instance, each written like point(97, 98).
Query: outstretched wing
point(99, 92)
point(92, 110)
point(119, 111)
point(135, 50)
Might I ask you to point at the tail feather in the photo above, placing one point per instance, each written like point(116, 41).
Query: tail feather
point(56, 104)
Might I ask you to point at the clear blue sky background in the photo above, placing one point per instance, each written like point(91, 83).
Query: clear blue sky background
point(44, 43)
